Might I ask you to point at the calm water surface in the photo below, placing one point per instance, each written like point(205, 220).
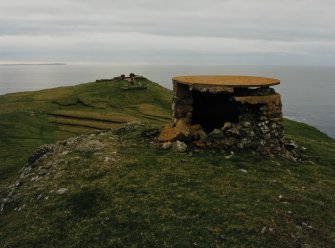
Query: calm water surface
point(307, 92)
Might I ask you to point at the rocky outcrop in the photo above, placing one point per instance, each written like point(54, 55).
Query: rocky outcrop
point(46, 168)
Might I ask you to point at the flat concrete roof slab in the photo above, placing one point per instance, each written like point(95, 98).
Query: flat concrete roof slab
point(227, 81)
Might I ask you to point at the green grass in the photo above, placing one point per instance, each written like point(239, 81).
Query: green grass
point(30, 119)
point(149, 197)
point(134, 194)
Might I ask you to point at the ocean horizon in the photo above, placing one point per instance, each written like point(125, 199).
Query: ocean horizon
point(307, 91)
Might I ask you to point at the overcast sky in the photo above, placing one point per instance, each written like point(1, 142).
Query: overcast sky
point(234, 32)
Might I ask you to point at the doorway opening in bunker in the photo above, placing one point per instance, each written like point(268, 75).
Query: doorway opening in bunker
point(213, 110)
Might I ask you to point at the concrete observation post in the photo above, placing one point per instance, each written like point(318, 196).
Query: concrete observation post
point(227, 113)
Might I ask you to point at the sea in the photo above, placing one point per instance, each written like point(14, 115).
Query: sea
point(307, 91)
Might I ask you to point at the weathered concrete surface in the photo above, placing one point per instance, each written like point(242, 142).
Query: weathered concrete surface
point(273, 99)
point(232, 81)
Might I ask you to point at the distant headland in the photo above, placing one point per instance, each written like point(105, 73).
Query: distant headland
point(33, 64)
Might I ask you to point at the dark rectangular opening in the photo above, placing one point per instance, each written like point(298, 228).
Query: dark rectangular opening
point(212, 110)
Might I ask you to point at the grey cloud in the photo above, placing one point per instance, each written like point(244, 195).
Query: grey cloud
point(289, 27)
point(240, 19)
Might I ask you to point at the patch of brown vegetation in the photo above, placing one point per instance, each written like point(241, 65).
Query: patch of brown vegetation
point(173, 133)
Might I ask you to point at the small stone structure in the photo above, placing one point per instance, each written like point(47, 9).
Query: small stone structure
point(227, 113)
point(133, 82)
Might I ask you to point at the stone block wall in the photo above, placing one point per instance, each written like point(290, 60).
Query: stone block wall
point(257, 128)
point(182, 103)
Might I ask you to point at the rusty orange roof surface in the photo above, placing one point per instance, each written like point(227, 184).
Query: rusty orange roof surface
point(229, 81)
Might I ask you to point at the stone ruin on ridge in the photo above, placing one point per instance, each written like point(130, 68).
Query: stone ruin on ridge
point(227, 113)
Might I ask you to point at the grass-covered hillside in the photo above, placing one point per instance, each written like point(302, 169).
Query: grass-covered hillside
point(117, 188)
point(30, 119)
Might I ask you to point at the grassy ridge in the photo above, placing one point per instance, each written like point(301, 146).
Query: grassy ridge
point(30, 119)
